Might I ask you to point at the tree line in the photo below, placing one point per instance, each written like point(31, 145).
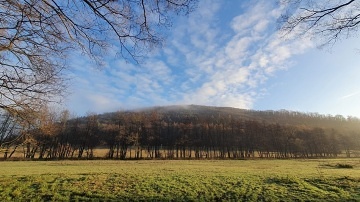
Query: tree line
point(156, 135)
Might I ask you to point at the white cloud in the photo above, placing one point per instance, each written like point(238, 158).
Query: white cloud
point(349, 95)
point(120, 85)
point(232, 73)
point(199, 65)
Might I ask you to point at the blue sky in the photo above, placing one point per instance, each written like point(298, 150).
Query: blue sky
point(226, 53)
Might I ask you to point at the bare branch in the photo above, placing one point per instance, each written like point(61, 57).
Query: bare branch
point(329, 21)
point(37, 35)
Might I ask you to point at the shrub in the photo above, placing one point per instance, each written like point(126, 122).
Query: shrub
point(340, 165)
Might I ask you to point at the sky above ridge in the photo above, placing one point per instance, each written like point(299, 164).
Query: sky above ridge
point(226, 53)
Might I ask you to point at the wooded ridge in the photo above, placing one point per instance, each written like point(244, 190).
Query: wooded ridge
point(178, 132)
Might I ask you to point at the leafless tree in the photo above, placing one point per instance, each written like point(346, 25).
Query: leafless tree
point(8, 134)
point(37, 35)
point(329, 21)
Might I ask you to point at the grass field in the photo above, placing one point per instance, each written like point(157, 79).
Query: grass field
point(181, 180)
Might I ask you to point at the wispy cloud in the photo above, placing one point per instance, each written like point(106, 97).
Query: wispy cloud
point(349, 95)
point(232, 72)
point(207, 60)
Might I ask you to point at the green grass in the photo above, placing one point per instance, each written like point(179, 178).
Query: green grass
point(180, 180)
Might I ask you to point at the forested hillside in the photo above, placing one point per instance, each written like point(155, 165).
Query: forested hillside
point(192, 131)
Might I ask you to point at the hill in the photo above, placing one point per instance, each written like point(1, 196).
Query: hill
point(192, 131)
point(283, 117)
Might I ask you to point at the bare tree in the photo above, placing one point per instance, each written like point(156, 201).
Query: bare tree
point(8, 134)
point(328, 20)
point(37, 35)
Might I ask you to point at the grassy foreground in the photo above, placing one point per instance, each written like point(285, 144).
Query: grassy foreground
point(181, 180)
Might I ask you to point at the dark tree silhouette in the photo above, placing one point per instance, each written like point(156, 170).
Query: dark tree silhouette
point(155, 134)
point(328, 20)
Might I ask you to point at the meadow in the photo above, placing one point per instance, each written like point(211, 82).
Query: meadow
point(181, 180)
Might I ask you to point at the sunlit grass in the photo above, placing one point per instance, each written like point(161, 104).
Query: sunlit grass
point(181, 180)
